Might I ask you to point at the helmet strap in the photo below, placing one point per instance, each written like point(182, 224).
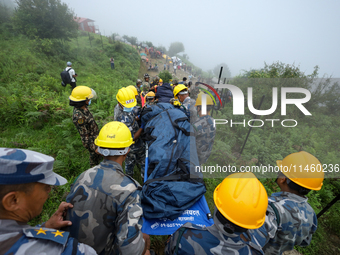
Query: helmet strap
point(108, 152)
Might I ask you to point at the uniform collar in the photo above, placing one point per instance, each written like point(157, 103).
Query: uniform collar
point(112, 164)
point(10, 227)
point(290, 196)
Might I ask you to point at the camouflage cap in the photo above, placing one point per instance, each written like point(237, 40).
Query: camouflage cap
point(18, 166)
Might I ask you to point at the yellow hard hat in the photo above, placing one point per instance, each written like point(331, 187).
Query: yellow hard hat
point(133, 88)
point(114, 134)
point(126, 97)
point(178, 89)
point(160, 80)
point(242, 199)
point(150, 94)
point(199, 99)
point(304, 169)
point(81, 93)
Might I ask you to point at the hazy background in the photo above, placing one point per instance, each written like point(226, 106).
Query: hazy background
point(243, 34)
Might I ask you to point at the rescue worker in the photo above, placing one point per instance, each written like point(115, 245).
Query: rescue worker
point(126, 101)
point(240, 204)
point(26, 179)
point(107, 211)
point(133, 88)
point(290, 219)
point(150, 98)
point(154, 84)
point(174, 83)
point(138, 87)
point(164, 92)
point(184, 81)
point(83, 120)
point(146, 83)
point(194, 91)
point(204, 129)
point(187, 104)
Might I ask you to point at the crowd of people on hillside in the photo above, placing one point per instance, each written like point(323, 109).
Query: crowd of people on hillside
point(103, 212)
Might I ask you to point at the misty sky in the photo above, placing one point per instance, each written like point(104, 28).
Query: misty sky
point(244, 34)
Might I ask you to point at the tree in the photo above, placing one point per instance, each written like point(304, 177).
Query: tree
point(175, 48)
point(225, 73)
point(49, 19)
point(5, 13)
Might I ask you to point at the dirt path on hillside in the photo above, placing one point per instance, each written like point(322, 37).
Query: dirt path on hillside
point(160, 62)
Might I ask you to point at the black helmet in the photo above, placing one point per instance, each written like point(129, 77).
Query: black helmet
point(146, 76)
point(175, 82)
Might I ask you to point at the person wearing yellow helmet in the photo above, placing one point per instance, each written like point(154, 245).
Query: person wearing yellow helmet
point(204, 128)
point(240, 204)
point(150, 98)
point(290, 218)
point(108, 217)
point(187, 104)
point(135, 91)
point(82, 118)
point(125, 113)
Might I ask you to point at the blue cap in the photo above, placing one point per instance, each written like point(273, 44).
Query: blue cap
point(18, 166)
point(69, 63)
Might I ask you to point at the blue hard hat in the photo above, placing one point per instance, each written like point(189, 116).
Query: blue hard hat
point(69, 63)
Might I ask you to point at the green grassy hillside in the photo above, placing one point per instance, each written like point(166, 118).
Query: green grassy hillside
point(35, 115)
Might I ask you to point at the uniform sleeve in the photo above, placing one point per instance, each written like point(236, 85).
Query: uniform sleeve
point(262, 235)
point(129, 222)
point(308, 239)
point(75, 248)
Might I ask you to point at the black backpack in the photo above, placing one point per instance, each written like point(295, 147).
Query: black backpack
point(65, 77)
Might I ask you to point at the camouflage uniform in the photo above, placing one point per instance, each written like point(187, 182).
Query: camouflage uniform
point(18, 166)
point(138, 97)
point(193, 239)
point(107, 212)
point(290, 221)
point(137, 150)
point(118, 111)
point(194, 91)
point(151, 103)
point(145, 86)
point(88, 130)
point(22, 239)
point(188, 106)
point(205, 135)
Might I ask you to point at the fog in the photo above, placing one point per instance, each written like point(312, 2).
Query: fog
point(243, 34)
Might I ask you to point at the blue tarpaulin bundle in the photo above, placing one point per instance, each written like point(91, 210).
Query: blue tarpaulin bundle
point(173, 186)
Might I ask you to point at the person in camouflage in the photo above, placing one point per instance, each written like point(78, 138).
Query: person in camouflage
point(138, 87)
point(128, 116)
point(150, 98)
point(187, 104)
point(241, 202)
point(204, 129)
point(290, 219)
point(83, 120)
point(107, 211)
point(26, 179)
point(146, 84)
point(194, 91)
point(154, 84)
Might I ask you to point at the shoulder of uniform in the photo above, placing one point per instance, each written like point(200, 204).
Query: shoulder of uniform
point(193, 226)
point(54, 235)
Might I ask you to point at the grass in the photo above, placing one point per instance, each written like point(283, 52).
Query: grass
point(35, 115)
